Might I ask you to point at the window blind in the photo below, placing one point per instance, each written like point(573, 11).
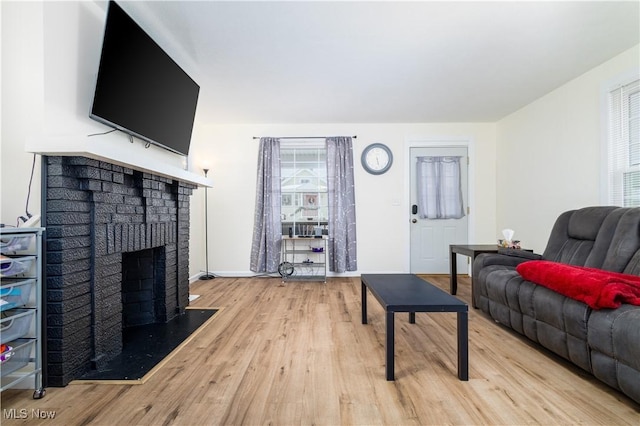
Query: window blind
point(624, 146)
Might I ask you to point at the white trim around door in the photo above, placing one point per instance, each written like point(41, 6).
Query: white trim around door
point(427, 142)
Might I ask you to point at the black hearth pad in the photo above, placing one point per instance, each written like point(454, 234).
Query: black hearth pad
point(147, 345)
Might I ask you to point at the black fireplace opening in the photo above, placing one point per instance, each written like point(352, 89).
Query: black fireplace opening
point(143, 287)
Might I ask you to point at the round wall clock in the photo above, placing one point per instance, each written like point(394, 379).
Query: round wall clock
point(377, 158)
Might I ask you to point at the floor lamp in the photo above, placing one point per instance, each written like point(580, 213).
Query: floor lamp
point(206, 275)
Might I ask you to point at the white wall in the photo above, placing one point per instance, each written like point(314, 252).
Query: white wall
point(50, 52)
point(381, 206)
point(548, 153)
point(22, 104)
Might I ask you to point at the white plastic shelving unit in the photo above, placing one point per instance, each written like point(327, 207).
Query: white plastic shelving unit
point(21, 307)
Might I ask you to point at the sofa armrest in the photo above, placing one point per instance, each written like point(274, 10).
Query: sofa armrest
point(520, 253)
point(488, 259)
point(491, 262)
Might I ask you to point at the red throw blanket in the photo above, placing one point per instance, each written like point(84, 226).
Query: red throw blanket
point(595, 287)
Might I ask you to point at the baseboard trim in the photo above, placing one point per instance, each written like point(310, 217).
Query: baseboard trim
point(251, 274)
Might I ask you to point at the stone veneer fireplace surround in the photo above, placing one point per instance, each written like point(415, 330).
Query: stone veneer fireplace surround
point(94, 213)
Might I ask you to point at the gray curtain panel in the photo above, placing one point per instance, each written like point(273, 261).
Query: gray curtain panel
point(342, 205)
point(439, 188)
point(267, 230)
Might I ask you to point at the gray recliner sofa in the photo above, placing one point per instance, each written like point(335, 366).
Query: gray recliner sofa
point(604, 342)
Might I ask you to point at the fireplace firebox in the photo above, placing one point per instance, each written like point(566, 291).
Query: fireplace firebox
point(143, 287)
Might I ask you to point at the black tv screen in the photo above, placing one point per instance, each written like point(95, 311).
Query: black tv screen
point(140, 90)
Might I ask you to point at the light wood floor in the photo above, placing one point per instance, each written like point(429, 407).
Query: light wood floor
point(297, 353)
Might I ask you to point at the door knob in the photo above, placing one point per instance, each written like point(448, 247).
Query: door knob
point(414, 220)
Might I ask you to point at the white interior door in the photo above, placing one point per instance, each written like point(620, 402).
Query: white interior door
point(430, 238)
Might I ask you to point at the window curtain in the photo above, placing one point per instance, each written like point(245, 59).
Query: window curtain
point(267, 229)
point(342, 205)
point(439, 188)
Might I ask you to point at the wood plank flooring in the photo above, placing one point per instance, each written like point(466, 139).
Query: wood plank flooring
point(297, 353)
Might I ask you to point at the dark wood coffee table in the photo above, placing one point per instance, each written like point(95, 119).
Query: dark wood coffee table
point(409, 293)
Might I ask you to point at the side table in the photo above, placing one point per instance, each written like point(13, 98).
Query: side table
point(466, 250)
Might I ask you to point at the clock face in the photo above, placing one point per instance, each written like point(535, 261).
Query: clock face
point(377, 158)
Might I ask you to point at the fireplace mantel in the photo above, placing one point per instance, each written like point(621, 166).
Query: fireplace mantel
point(116, 152)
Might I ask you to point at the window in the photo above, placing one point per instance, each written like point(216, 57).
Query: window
point(623, 146)
point(305, 201)
point(311, 200)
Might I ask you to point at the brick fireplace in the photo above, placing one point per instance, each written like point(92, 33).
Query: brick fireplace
point(117, 255)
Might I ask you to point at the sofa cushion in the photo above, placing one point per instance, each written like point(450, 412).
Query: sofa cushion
point(574, 235)
point(625, 242)
point(633, 267)
point(616, 333)
point(585, 223)
point(504, 305)
point(560, 325)
point(601, 246)
point(614, 338)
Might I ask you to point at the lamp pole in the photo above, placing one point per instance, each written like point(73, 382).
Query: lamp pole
point(206, 275)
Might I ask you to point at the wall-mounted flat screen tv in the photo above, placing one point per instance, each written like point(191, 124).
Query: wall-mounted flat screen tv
point(140, 90)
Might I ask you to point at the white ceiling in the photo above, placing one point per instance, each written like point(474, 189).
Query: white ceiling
point(383, 62)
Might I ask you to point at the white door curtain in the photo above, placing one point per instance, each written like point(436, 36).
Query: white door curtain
point(439, 187)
